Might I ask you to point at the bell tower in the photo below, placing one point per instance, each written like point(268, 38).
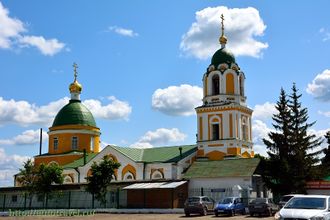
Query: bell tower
point(224, 120)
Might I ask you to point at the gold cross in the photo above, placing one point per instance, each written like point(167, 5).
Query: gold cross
point(75, 66)
point(222, 25)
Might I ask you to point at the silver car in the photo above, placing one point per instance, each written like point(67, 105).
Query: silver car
point(313, 207)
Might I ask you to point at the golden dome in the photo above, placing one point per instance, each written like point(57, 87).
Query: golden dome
point(75, 87)
point(223, 39)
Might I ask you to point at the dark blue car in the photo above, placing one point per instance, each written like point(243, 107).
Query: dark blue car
point(230, 206)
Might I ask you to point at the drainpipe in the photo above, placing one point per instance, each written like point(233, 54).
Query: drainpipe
point(76, 169)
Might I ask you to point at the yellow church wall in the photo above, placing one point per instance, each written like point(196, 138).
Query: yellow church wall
point(60, 159)
point(215, 155)
point(246, 155)
point(200, 153)
point(64, 142)
point(230, 88)
point(233, 151)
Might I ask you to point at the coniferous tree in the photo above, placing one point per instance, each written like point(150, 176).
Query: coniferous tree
point(304, 153)
point(326, 159)
point(276, 167)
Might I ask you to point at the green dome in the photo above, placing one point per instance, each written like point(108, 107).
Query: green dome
point(74, 113)
point(222, 56)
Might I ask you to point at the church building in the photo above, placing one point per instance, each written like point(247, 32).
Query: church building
point(221, 162)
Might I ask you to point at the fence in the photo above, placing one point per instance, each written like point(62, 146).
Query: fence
point(75, 199)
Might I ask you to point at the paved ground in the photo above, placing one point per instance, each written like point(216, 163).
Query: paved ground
point(142, 217)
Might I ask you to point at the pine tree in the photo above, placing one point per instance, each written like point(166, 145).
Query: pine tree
point(276, 167)
point(304, 153)
point(326, 158)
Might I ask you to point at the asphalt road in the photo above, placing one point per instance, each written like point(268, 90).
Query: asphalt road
point(143, 217)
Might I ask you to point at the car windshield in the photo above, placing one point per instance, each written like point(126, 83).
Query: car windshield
point(193, 199)
point(306, 203)
point(259, 201)
point(227, 201)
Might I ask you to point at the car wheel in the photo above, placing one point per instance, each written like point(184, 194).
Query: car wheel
point(243, 212)
point(270, 212)
point(204, 212)
point(232, 213)
point(216, 213)
point(187, 214)
point(251, 214)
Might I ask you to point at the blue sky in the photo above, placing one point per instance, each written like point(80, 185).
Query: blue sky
point(141, 65)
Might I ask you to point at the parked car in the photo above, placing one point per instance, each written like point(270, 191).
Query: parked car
point(305, 207)
point(284, 199)
point(230, 206)
point(198, 204)
point(264, 206)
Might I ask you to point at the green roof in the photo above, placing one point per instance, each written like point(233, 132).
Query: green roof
point(222, 168)
point(80, 161)
point(74, 113)
point(156, 154)
point(222, 56)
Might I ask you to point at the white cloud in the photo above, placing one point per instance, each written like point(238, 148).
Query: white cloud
point(264, 111)
point(28, 137)
point(48, 47)
point(10, 28)
point(325, 34)
point(242, 25)
point(123, 31)
point(9, 165)
point(162, 136)
point(320, 86)
point(11, 33)
point(177, 100)
point(260, 131)
point(115, 110)
point(24, 113)
point(326, 114)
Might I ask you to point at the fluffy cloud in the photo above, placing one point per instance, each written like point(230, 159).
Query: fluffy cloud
point(177, 100)
point(325, 34)
point(161, 136)
point(115, 110)
point(241, 28)
point(264, 111)
point(10, 28)
point(11, 33)
point(28, 137)
point(46, 47)
point(326, 114)
point(320, 86)
point(9, 165)
point(25, 113)
point(123, 31)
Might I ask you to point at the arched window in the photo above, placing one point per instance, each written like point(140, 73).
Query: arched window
point(244, 129)
point(128, 176)
point(74, 143)
point(55, 143)
point(230, 87)
point(68, 179)
point(215, 85)
point(92, 144)
point(241, 85)
point(215, 128)
point(157, 175)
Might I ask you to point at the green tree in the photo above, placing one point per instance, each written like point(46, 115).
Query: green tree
point(27, 178)
point(101, 177)
point(326, 159)
point(276, 170)
point(304, 154)
point(291, 150)
point(47, 175)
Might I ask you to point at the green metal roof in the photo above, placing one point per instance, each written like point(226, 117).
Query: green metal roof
point(74, 113)
point(80, 161)
point(222, 56)
point(222, 168)
point(156, 154)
